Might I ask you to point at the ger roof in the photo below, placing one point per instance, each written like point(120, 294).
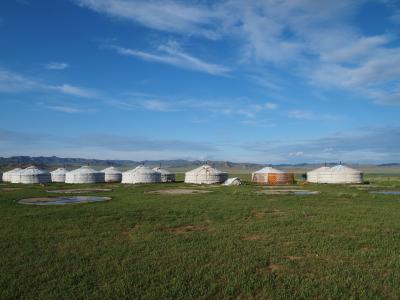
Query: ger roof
point(111, 170)
point(59, 171)
point(267, 170)
point(206, 168)
point(32, 170)
point(84, 170)
point(344, 169)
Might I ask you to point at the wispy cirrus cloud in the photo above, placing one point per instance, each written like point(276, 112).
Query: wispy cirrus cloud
point(138, 143)
point(365, 145)
point(75, 91)
point(13, 82)
point(316, 42)
point(169, 16)
point(157, 105)
point(242, 107)
point(66, 108)
point(370, 144)
point(312, 116)
point(57, 66)
point(172, 54)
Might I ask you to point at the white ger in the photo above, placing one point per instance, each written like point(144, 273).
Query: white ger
point(33, 174)
point(15, 176)
point(318, 175)
point(7, 175)
point(205, 175)
point(166, 176)
point(337, 174)
point(112, 174)
point(84, 174)
point(58, 175)
point(141, 174)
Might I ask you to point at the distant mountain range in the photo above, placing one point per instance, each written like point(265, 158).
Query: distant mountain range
point(54, 161)
point(51, 162)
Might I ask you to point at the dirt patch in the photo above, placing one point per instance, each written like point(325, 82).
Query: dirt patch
point(277, 187)
point(259, 214)
point(294, 258)
point(363, 185)
point(206, 186)
point(179, 192)
point(287, 192)
point(308, 215)
point(271, 269)
point(366, 249)
point(10, 189)
point(290, 243)
point(78, 191)
point(187, 229)
point(129, 233)
point(253, 237)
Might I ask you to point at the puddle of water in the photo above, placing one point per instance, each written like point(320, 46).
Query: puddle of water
point(78, 191)
point(62, 200)
point(386, 192)
point(178, 192)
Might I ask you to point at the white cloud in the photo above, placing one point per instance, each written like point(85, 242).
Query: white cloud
point(298, 153)
point(12, 82)
point(242, 107)
point(270, 106)
point(258, 123)
point(66, 109)
point(57, 65)
point(316, 41)
point(373, 144)
point(172, 54)
point(311, 116)
point(169, 16)
point(157, 105)
point(301, 114)
point(76, 91)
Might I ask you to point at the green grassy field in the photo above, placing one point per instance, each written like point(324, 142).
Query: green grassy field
point(230, 243)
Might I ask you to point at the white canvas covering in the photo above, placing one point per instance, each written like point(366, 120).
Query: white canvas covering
point(318, 175)
point(205, 175)
point(343, 174)
point(269, 175)
point(233, 181)
point(112, 174)
point(166, 176)
point(15, 177)
point(141, 174)
point(84, 174)
point(7, 175)
point(33, 174)
point(338, 174)
point(58, 175)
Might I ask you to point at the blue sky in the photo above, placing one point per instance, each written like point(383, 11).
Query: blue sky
point(255, 81)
